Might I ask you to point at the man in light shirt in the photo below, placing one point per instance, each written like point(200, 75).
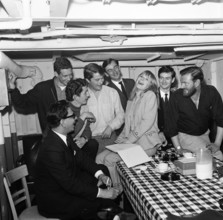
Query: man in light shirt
point(104, 103)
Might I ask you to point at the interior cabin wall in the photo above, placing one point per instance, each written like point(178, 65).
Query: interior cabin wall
point(217, 75)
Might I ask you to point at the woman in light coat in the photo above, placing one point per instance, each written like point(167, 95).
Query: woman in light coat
point(140, 123)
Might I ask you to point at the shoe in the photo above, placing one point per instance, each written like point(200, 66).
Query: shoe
point(111, 212)
point(125, 216)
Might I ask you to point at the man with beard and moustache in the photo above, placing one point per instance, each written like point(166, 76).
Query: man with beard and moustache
point(193, 108)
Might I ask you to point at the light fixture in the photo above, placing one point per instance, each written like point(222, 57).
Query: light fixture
point(198, 48)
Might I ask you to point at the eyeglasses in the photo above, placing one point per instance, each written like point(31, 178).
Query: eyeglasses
point(70, 116)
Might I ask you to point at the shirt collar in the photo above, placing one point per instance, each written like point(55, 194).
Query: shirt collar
point(62, 136)
point(162, 94)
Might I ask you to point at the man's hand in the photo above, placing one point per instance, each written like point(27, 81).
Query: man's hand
point(107, 132)
point(213, 147)
point(162, 138)
point(80, 142)
point(103, 179)
point(12, 80)
point(110, 193)
point(89, 116)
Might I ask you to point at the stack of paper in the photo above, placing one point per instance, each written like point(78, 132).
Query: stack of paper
point(131, 154)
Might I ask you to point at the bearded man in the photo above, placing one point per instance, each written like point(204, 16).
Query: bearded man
point(193, 109)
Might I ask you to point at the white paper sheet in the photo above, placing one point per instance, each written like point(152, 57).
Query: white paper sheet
point(131, 154)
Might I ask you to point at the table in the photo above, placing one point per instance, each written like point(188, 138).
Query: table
point(152, 198)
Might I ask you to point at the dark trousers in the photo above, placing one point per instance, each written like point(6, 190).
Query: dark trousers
point(91, 148)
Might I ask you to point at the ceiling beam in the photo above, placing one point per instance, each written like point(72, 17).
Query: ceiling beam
point(58, 9)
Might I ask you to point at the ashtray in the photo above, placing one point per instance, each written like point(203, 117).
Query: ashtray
point(170, 176)
point(161, 172)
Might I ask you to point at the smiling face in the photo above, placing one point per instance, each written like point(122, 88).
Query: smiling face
point(188, 85)
point(96, 82)
point(143, 82)
point(83, 97)
point(64, 77)
point(114, 72)
point(165, 80)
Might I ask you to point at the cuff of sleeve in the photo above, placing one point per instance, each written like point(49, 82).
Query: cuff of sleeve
point(99, 191)
point(133, 137)
point(98, 173)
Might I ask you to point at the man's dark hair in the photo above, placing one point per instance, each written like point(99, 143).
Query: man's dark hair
point(57, 111)
point(167, 69)
point(109, 61)
point(194, 71)
point(74, 87)
point(91, 69)
point(61, 63)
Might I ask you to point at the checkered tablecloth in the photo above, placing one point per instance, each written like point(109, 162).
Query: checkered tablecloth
point(152, 198)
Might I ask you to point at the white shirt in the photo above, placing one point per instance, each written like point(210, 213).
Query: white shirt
point(162, 94)
point(107, 110)
point(117, 83)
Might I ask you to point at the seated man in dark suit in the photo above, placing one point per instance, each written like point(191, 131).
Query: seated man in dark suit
point(67, 180)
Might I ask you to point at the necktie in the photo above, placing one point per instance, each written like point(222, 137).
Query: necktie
point(123, 89)
point(166, 98)
point(70, 146)
point(69, 143)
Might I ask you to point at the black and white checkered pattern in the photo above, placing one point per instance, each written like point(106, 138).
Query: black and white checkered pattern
point(152, 197)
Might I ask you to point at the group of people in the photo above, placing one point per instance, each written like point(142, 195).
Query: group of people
point(76, 175)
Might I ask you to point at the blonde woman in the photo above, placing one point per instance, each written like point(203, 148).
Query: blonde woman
point(140, 123)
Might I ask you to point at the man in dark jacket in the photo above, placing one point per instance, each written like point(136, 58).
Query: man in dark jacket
point(115, 80)
point(38, 99)
point(121, 85)
point(67, 181)
point(166, 76)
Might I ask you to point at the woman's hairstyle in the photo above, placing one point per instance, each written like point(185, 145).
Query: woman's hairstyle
point(153, 87)
point(57, 111)
point(91, 69)
point(74, 87)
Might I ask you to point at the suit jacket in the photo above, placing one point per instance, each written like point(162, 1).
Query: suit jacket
point(129, 84)
point(65, 181)
point(35, 100)
point(163, 114)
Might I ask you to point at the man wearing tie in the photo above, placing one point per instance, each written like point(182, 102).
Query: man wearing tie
point(67, 180)
point(122, 86)
point(166, 75)
point(115, 81)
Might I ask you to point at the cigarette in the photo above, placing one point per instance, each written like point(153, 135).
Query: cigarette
point(107, 183)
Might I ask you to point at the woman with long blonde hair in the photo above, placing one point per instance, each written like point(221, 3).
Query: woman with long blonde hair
point(140, 123)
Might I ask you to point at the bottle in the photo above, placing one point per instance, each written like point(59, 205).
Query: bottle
point(204, 164)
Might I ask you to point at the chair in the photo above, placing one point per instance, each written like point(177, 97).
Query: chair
point(22, 195)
